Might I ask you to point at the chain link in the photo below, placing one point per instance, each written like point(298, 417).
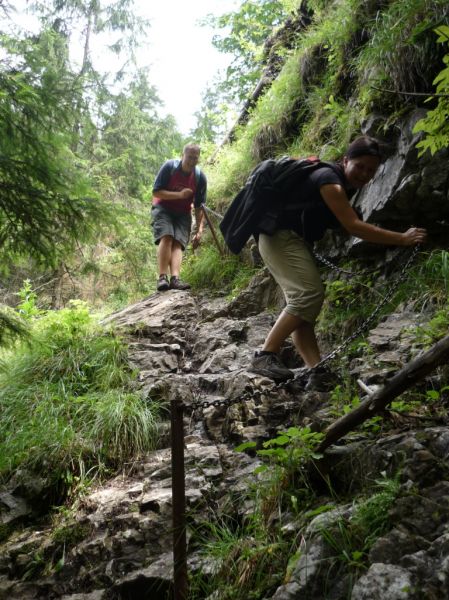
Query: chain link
point(371, 317)
point(212, 212)
point(333, 266)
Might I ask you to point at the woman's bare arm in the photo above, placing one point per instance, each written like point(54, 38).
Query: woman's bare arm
point(336, 199)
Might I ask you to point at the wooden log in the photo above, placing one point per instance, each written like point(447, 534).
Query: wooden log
point(404, 379)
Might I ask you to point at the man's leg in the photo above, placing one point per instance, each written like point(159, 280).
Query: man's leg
point(164, 254)
point(175, 258)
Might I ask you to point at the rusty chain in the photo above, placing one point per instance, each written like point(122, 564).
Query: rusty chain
point(251, 394)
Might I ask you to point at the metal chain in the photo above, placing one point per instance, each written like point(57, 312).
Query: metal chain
point(212, 212)
point(251, 394)
point(333, 266)
point(375, 312)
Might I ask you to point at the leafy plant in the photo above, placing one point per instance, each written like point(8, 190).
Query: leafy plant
point(27, 307)
point(351, 538)
point(290, 449)
point(435, 123)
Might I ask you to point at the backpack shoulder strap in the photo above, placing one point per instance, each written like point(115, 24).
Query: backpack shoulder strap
point(177, 162)
point(197, 174)
point(175, 165)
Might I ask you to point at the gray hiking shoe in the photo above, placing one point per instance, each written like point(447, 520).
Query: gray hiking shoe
point(162, 283)
point(321, 379)
point(177, 284)
point(271, 366)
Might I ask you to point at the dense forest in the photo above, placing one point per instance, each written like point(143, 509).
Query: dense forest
point(79, 151)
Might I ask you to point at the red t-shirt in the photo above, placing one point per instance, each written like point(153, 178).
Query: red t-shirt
point(177, 182)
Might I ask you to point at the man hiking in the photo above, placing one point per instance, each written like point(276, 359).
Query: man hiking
point(178, 185)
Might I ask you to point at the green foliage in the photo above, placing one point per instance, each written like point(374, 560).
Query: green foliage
point(212, 119)
point(249, 560)
point(27, 307)
point(401, 53)
point(435, 124)
point(135, 141)
point(292, 448)
point(249, 36)
point(436, 328)
point(345, 53)
point(348, 303)
point(11, 327)
point(46, 200)
point(402, 406)
point(287, 461)
point(351, 538)
point(78, 155)
point(68, 401)
point(208, 269)
point(427, 282)
point(246, 31)
point(343, 400)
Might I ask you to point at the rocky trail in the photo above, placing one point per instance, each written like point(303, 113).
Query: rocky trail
point(198, 350)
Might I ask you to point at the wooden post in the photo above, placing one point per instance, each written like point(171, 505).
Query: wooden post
point(180, 578)
point(211, 227)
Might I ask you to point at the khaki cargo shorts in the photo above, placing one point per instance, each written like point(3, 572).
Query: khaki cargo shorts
point(165, 222)
point(292, 265)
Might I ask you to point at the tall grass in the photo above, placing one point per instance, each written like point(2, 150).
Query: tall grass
point(328, 83)
point(69, 402)
point(207, 269)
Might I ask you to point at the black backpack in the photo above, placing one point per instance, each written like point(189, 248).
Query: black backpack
point(268, 194)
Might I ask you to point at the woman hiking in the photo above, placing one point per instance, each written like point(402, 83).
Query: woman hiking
point(288, 256)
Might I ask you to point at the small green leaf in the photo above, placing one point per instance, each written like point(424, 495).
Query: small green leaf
point(245, 446)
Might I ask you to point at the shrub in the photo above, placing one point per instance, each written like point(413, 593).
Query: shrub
point(69, 403)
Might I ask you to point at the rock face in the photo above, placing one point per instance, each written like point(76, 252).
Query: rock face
point(198, 352)
point(408, 190)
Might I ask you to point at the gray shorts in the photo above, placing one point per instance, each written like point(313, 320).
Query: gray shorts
point(177, 225)
point(291, 263)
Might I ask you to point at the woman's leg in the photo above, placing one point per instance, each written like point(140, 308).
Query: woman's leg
point(292, 265)
point(306, 343)
point(303, 335)
point(284, 326)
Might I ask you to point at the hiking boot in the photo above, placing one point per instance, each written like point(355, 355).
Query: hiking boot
point(177, 284)
point(271, 366)
point(321, 379)
point(162, 283)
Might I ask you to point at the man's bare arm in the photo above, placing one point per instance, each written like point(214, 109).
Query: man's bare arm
point(184, 194)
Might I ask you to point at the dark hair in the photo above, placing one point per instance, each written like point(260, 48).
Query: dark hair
point(191, 146)
point(362, 146)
